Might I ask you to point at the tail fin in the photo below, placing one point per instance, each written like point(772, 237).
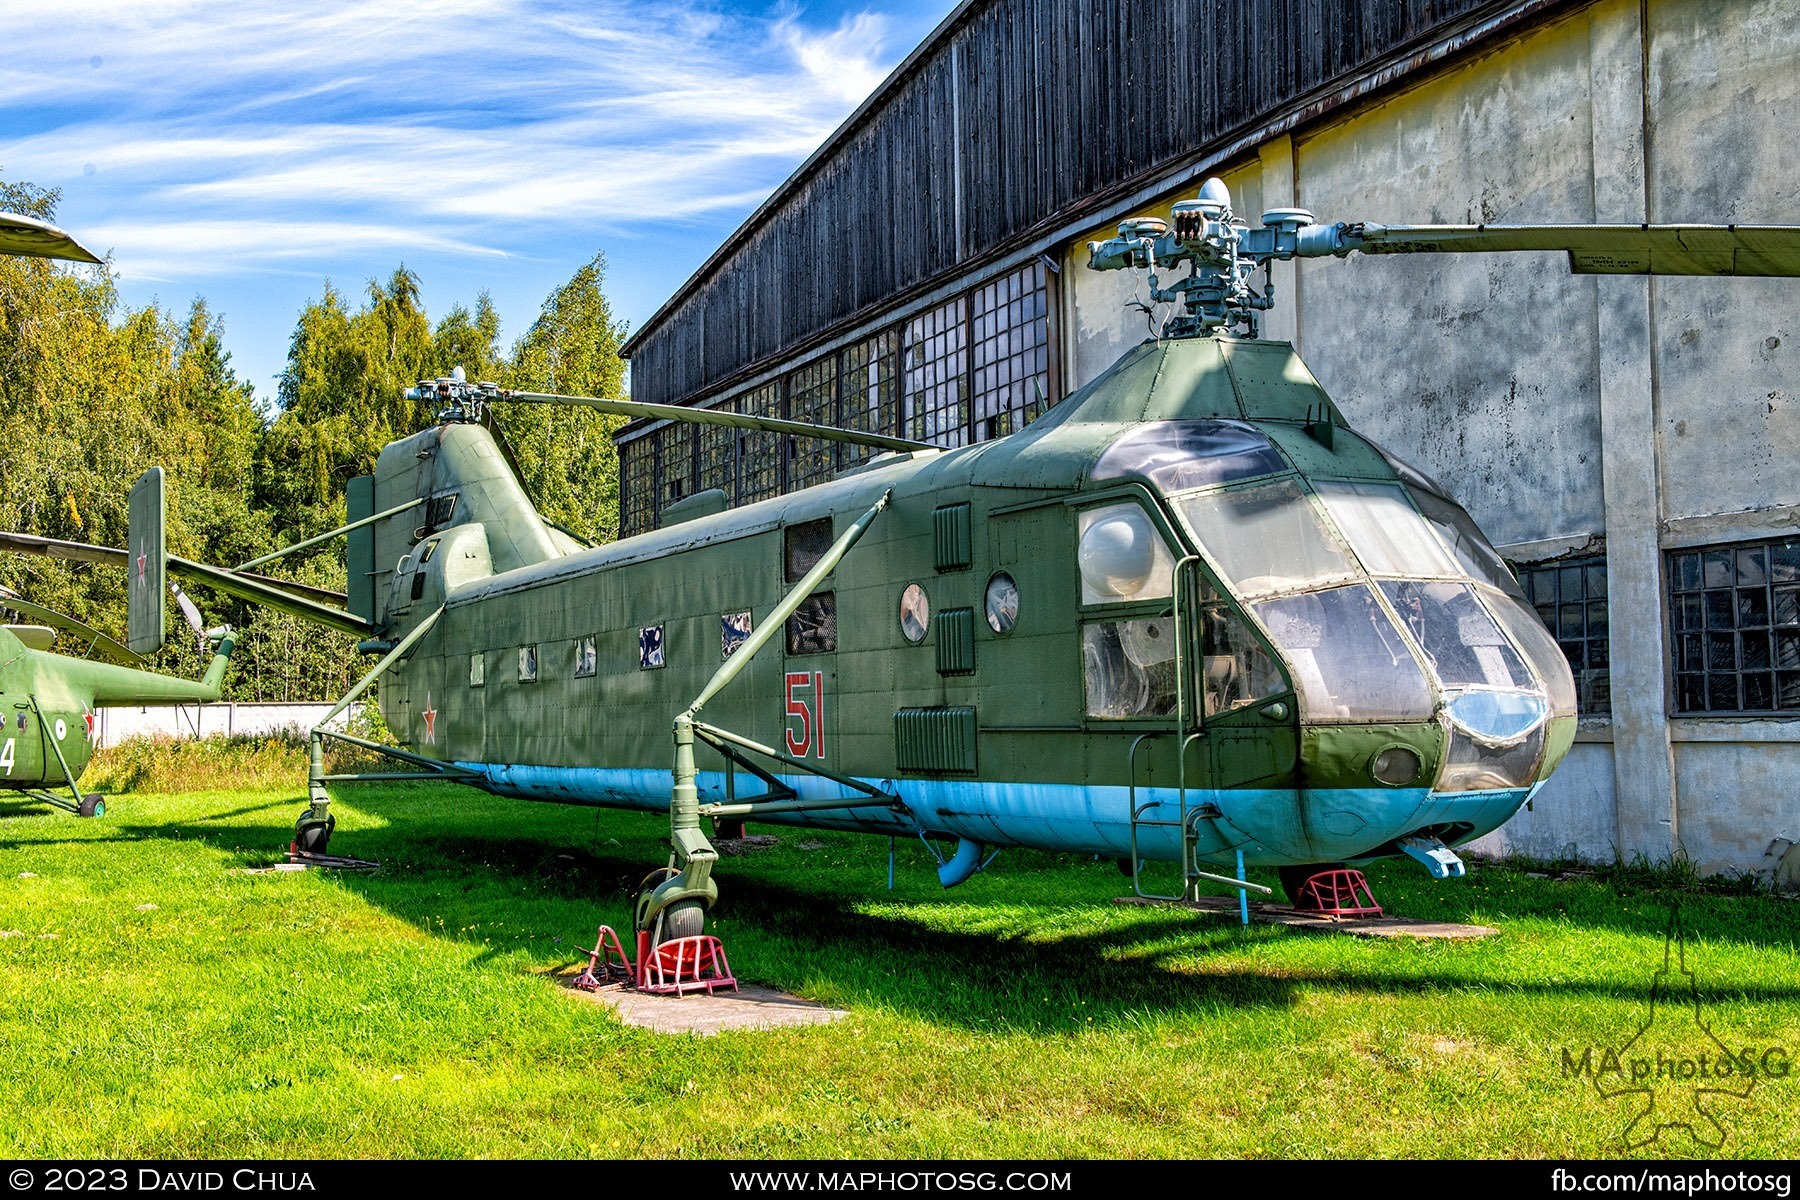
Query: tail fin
point(147, 592)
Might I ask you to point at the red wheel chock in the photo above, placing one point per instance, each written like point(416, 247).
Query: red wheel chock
point(683, 965)
point(606, 963)
point(1340, 893)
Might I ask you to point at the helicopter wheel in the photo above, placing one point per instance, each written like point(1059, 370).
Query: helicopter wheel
point(684, 918)
point(1294, 878)
point(311, 837)
point(92, 805)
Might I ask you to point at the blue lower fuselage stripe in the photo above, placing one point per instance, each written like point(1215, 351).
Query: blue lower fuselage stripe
point(1272, 826)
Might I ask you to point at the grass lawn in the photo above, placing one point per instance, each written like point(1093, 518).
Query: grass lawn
point(157, 1000)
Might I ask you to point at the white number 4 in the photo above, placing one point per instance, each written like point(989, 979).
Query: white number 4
point(6, 756)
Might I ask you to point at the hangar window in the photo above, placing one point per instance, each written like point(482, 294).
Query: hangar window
point(812, 397)
point(528, 665)
point(976, 366)
point(869, 391)
point(675, 450)
point(1735, 621)
point(1570, 599)
point(934, 358)
point(477, 670)
point(759, 454)
point(586, 657)
point(717, 455)
point(637, 485)
point(1010, 334)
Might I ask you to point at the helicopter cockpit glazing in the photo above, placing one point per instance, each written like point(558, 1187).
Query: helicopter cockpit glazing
point(1382, 597)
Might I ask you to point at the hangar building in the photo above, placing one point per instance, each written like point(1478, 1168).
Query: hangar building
point(1629, 443)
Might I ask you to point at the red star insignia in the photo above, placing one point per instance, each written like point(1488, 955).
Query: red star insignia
point(88, 716)
point(430, 715)
point(143, 560)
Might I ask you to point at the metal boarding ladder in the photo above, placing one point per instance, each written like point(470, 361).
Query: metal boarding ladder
point(1191, 730)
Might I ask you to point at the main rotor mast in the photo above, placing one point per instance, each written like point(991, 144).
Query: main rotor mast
point(1223, 253)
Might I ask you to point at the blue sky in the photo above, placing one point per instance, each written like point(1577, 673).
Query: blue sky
point(248, 152)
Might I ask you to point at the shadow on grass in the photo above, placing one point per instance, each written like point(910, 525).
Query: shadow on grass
point(474, 864)
point(12, 810)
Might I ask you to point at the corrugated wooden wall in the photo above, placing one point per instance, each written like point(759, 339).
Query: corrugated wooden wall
point(1037, 107)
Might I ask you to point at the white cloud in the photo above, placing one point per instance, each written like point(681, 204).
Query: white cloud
point(225, 138)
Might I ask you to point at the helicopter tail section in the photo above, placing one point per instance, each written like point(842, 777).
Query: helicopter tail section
point(115, 686)
point(456, 485)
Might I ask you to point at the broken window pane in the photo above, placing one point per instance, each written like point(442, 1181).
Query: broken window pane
point(1129, 667)
point(1461, 641)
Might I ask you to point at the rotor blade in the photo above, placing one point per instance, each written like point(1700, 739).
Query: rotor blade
point(278, 594)
point(26, 543)
point(102, 645)
point(189, 611)
point(39, 239)
point(1766, 250)
point(707, 416)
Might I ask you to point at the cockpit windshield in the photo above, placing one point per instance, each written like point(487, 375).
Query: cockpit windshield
point(1385, 530)
point(1473, 553)
point(1266, 538)
point(1348, 663)
point(1381, 595)
point(1462, 643)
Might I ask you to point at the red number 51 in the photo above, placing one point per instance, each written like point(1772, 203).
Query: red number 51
point(810, 709)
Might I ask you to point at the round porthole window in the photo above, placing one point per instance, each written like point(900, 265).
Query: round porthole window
point(915, 613)
point(1002, 603)
point(1396, 766)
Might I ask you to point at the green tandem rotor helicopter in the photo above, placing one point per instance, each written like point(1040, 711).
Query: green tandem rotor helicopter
point(1189, 615)
point(47, 700)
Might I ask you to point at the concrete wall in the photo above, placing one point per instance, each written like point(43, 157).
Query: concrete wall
point(1622, 414)
point(114, 725)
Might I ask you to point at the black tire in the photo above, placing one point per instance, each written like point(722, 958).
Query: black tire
point(1292, 878)
point(312, 837)
point(684, 918)
point(92, 805)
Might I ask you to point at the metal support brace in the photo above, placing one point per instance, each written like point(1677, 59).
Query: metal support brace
point(317, 796)
point(326, 537)
point(49, 735)
point(727, 743)
point(692, 856)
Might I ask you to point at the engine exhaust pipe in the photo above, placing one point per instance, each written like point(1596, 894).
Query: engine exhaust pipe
point(964, 863)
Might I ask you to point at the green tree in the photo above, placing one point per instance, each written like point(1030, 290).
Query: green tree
point(566, 453)
point(93, 392)
point(340, 400)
